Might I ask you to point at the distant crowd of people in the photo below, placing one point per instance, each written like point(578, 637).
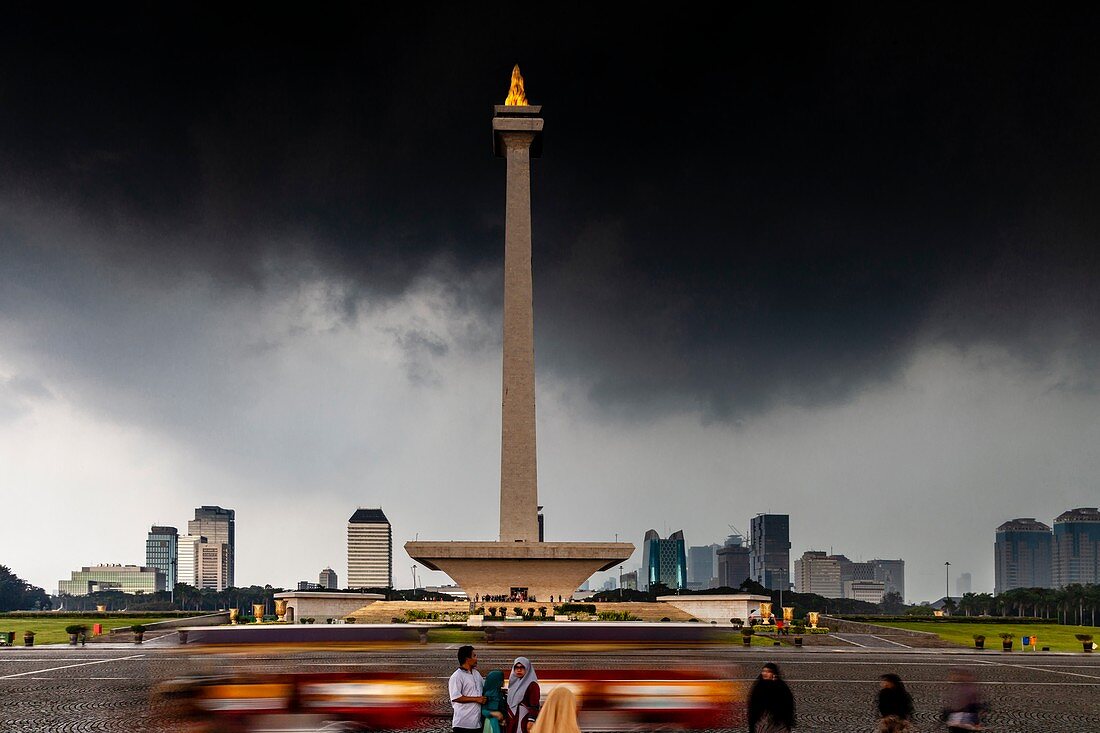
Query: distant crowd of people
point(513, 598)
point(484, 705)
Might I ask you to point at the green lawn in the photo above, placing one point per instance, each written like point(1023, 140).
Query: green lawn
point(455, 636)
point(1058, 638)
point(52, 630)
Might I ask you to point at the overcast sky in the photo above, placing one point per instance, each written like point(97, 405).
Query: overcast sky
point(841, 267)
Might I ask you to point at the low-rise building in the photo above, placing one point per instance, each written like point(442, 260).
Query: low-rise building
point(870, 591)
point(124, 578)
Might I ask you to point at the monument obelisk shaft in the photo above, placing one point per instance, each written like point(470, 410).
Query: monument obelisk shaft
point(516, 128)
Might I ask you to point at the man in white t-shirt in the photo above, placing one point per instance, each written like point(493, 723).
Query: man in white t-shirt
point(464, 688)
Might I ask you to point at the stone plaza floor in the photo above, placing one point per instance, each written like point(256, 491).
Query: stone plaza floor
point(108, 689)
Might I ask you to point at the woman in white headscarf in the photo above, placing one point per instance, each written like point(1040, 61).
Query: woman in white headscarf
point(524, 696)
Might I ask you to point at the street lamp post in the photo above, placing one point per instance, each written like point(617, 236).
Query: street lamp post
point(620, 580)
point(946, 582)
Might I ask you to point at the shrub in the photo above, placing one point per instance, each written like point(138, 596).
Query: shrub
point(76, 629)
point(567, 608)
point(747, 631)
point(979, 637)
point(480, 611)
point(1006, 636)
point(307, 620)
point(1084, 638)
point(798, 629)
point(666, 620)
point(737, 622)
point(542, 611)
point(502, 611)
point(616, 616)
point(492, 611)
point(137, 629)
point(693, 620)
point(518, 610)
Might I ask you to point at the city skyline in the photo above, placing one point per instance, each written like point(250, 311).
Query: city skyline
point(856, 286)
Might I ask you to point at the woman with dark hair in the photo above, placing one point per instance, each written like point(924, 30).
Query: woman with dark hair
point(895, 706)
point(771, 704)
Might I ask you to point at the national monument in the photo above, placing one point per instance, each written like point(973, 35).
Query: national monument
point(518, 562)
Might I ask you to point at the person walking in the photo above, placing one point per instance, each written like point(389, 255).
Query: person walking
point(895, 705)
point(559, 714)
point(465, 692)
point(771, 704)
point(964, 708)
point(494, 708)
point(524, 696)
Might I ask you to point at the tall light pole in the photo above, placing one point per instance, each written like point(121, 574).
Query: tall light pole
point(946, 582)
point(620, 577)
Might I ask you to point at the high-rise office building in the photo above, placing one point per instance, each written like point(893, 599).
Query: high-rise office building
point(963, 584)
point(370, 549)
point(327, 579)
point(630, 580)
point(733, 562)
point(1076, 547)
point(664, 561)
point(187, 561)
point(816, 572)
point(702, 566)
point(770, 551)
point(892, 574)
point(213, 564)
point(218, 526)
point(162, 552)
point(1022, 555)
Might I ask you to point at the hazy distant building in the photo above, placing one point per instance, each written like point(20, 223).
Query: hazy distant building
point(1076, 547)
point(327, 579)
point(186, 560)
point(870, 591)
point(219, 527)
point(892, 574)
point(162, 552)
point(213, 564)
point(123, 578)
point(1022, 555)
point(308, 585)
point(630, 580)
point(770, 556)
point(370, 549)
point(733, 562)
point(963, 585)
point(815, 572)
point(610, 583)
point(702, 566)
point(664, 561)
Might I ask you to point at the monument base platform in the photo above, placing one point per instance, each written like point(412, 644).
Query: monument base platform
point(540, 570)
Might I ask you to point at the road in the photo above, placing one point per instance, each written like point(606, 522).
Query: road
point(108, 689)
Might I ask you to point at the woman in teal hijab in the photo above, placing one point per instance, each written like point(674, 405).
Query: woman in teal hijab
point(493, 709)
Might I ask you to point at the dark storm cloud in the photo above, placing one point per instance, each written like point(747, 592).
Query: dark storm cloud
point(729, 214)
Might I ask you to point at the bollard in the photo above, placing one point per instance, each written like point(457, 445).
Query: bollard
point(183, 636)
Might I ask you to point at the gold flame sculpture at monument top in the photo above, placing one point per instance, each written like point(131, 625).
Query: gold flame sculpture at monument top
point(516, 96)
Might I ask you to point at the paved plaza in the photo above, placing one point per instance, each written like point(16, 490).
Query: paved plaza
point(101, 689)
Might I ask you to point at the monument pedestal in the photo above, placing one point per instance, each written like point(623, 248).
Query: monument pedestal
point(545, 569)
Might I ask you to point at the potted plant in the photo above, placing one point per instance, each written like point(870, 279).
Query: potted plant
point(518, 611)
point(139, 632)
point(492, 611)
point(798, 632)
point(542, 611)
point(1086, 641)
point(979, 641)
point(746, 635)
point(28, 638)
point(75, 630)
point(737, 622)
point(1006, 641)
